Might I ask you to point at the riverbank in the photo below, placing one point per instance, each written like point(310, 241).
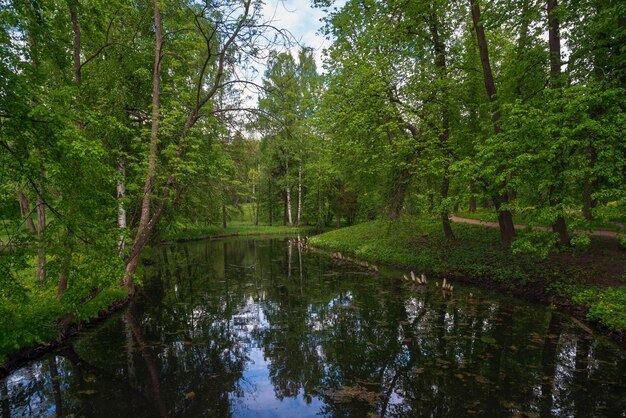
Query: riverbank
point(191, 232)
point(32, 325)
point(589, 283)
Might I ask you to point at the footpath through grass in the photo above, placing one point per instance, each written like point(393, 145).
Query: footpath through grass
point(609, 219)
point(592, 278)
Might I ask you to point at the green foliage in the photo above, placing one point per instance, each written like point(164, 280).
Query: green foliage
point(30, 321)
point(608, 306)
point(539, 243)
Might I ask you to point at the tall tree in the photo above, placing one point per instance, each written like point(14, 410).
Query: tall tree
point(500, 195)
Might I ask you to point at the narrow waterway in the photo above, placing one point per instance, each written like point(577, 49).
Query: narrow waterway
point(260, 328)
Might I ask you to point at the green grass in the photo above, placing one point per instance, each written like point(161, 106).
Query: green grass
point(33, 319)
point(190, 231)
point(419, 244)
point(604, 305)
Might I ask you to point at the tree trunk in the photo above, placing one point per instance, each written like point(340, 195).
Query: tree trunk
point(223, 213)
point(445, 219)
point(320, 210)
point(588, 203)
point(397, 192)
point(444, 133)
point(204, 94)
point(66, 257)
point(25, 210)
point(145, 226)
point(299, 194)
point(41, 220)
point(505, 220)
point(40, 205)
point(269, 198)
point(554, 42)
point(121, 210)
point(284, 196)
point(472, 204)
point(256, 198)
point(621, 22)
point(338, 203)
point(559, 226)
point(62, 281)
point(288, 193)
point(505, 217)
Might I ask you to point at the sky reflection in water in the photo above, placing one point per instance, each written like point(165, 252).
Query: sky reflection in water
point(257, 328)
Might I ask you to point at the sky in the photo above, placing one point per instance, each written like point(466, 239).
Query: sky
point(302, 20)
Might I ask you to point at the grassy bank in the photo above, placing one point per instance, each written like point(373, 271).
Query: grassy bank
point(592, 278)
point(188, 232)
point(32, 322)
point(30, 317)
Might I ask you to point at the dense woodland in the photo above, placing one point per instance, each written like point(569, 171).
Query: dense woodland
point(120, 121)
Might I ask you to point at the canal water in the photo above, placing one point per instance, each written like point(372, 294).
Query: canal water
point(263, 328)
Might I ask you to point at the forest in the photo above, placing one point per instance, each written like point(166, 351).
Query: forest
point(127, 123)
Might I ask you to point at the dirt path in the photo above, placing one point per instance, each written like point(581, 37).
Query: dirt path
point(600, 233)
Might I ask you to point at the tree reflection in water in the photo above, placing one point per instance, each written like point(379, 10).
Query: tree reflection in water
point(259, 328)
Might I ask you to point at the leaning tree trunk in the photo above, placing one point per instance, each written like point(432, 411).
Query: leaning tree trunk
point(145, 226)
point(505, 217)
point(148, 221)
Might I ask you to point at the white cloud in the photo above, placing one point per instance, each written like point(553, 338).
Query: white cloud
point(301, 20)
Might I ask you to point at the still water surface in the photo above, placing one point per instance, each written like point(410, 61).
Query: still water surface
point(259, 328)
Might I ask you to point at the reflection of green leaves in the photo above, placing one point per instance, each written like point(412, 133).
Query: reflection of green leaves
point(488, 340)
point(87, 392)
point(348, 394)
